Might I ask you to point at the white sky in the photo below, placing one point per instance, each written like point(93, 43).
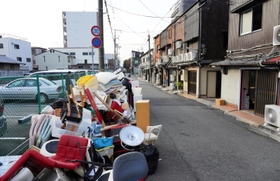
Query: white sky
point(40, 21)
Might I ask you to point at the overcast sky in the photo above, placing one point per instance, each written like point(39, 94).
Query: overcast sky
point(40, 21)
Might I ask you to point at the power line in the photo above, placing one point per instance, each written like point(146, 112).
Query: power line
point(129, 27)
point(147, 16)
point(150, 10)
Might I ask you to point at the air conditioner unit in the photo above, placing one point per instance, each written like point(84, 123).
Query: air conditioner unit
point(172, 78)
point(272, 115)
point(276, 35)
point(186, 57)
point(181, 58)
point(169, 51)
point(192, 55)
point(178, 44)
point(174, 59)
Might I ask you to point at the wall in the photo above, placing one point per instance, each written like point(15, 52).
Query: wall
point(24, 51)
point(263, 36)
point(230, 90)
point(51, 61)
point(78, 25)
point(80, 58)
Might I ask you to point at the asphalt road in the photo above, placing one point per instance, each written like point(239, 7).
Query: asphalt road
point(201, 143)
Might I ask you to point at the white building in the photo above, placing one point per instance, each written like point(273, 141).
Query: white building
point(18, 49)
point(77, 28)
point(81, 58)
point(53, 59)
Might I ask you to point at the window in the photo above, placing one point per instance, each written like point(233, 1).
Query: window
point(85, 53)
point(19, 59)
point(1, 45)
point(16, 46)
point(28, 59)
point(44, 58)
point(89, 53)
point(58, 58)
point(251, 20)
point(72, 53)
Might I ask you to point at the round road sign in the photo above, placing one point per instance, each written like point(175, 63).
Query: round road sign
point(96, 42)
point(96, 31)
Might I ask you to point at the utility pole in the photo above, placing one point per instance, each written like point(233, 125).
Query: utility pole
point(150, 59)
point(100, 24)
point(115, 55)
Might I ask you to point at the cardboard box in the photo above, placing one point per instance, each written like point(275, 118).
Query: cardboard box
point(220, 102)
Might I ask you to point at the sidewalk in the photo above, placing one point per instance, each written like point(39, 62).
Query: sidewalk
point(246, 116)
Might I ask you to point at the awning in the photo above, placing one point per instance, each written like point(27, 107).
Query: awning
point(245, 6)
point(236, 63)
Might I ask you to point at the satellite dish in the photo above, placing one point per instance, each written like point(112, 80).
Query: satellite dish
point(132, 135)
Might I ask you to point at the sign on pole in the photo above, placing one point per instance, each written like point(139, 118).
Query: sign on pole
point(96, 31)
point(96, 42)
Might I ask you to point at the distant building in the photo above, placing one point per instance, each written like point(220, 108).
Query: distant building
point(180, 7)
point(35, 51)
point(17, 48)
point(77, 28)
point(54, 59)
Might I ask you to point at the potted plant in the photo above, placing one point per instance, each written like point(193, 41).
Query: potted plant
point(179, 85)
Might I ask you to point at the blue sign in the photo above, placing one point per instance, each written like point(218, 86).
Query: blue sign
point(96, 42)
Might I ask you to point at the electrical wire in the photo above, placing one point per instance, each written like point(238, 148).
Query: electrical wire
point(147, 16)
point(150, 10)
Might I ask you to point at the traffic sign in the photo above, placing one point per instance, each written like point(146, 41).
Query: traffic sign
point(96, 42)
point(96, 31)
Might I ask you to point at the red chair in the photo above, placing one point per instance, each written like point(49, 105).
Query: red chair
point(70, 148)
point(31, 159)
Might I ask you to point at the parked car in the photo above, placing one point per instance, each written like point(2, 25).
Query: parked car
point(3, 121)
point(26, 89)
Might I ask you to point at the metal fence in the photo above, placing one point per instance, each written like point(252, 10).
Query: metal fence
point(19, 108)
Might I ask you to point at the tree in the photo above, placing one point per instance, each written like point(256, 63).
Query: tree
point(126, 64)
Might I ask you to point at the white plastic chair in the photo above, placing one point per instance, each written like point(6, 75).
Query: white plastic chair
point(152, 133)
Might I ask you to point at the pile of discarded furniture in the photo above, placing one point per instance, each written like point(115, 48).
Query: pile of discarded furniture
point(84, 137)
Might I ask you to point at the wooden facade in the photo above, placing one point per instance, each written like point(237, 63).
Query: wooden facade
point(214, 29)
point(157, 48)
point(260, 37)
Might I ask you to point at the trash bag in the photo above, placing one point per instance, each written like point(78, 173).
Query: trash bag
point(152, 156)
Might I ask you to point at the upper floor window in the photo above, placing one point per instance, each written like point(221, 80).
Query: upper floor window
point(170, 33)
point(72, 53)
point(85, 53)
point(28, 59)
point(19, 59)
point(16, 46)
point(1, 45)
point(251, 20)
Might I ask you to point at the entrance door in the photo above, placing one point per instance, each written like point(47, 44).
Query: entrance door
point(265, 90)
point(213, 84)
point(192, 82)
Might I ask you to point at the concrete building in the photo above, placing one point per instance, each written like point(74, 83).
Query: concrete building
point(53, 59)
point(35, 51)
point(17, 48)
point(77, 28)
